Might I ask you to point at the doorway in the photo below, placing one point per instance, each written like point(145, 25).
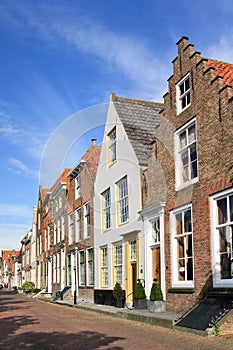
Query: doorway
point(156, 270)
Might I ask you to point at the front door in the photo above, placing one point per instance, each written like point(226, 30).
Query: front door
point(156, 264)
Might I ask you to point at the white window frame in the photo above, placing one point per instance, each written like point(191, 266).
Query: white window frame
point(63, 227)
point(133, 250)
point(81, 260)
point(71, 228)
point(58, 230)
point(48, 237)
point(106, 200)
point(104, 266)
point(183, 96)
point(219, 282)
point(180, 183)
point(156, 230)
point(90, 267)
point(78, 223)
point(54, 268)
point(112, 146)
point(118, 263)
point(87, 219)
point(176, 283)
point(123, 201)
point(77, 186)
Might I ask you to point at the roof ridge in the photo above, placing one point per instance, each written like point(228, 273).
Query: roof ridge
point(116, 98)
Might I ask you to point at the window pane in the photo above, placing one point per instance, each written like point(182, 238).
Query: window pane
point(190, 269)
point(231, 207)
point(183, 142)
point(187, 221)
point(179, 224)
point(180, 247)
point(182, 88)
point(192, 133)
point(187, 84)
point(184, 157)
point(224, 239)
point(181, 270)
point(222, 210)
point(189, 246)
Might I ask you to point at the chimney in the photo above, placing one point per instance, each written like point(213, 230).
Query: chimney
point(93, 142)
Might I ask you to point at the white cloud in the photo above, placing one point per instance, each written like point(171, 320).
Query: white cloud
point(15, 211)
point(19, 168)
point(58, 25)
point(223, 49)
point(11, 235)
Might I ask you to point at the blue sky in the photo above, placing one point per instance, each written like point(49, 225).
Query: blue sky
point(59, 62)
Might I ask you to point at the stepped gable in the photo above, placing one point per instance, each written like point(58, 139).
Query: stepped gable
point(224, 70)
point(140, 119)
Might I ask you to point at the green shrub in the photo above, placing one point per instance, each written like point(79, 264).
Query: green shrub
point(117, 291)
point(139, 291)
point(156, 292)
point(28, 287)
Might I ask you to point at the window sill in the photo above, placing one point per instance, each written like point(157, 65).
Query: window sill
point(181, 290)
point(186, 184)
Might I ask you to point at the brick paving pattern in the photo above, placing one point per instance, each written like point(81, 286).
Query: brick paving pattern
point(31, 324)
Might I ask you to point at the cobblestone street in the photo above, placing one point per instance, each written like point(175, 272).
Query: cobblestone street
point(34, 324)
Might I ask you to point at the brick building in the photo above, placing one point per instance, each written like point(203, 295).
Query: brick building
point(80, 248)
point(188, 198)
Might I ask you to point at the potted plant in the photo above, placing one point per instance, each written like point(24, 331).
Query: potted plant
point(118, 295)
point(156, 303)
point(140, 301)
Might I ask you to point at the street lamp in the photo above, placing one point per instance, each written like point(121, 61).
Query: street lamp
point(75, 286)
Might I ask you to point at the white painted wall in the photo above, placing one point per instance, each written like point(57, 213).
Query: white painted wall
point(126, 165)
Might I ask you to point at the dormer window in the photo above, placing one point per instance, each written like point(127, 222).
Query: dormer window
point(112, 146)
point(183, 98)
point(77, 187)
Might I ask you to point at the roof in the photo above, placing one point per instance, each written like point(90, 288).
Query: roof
point(91, 157)
point(223, 69)
point(140, 119)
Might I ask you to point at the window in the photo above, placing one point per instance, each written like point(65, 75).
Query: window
point(58, 267)
point(182, 247)
point(48, 238)
point(133, 250)
point(186, 154)
point(90, 267)
point(183, 98)
point(71, 228)
point(58, 230)
point(78, 224)
point(87, 227)
point(123, 201)
point(106, 210)
point(223, 239)
point(69, 280)
point(81, 268)
point(112, 146)
point(118, 263)
point(156, 231)
point(63, 227)
point(54, 268)
point(60, 202)
point(77, 187)
point(55, 233)
point(104, 266)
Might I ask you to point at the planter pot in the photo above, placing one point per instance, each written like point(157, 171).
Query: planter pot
point(119, 302)
point(140, 304)
point(157, 306)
